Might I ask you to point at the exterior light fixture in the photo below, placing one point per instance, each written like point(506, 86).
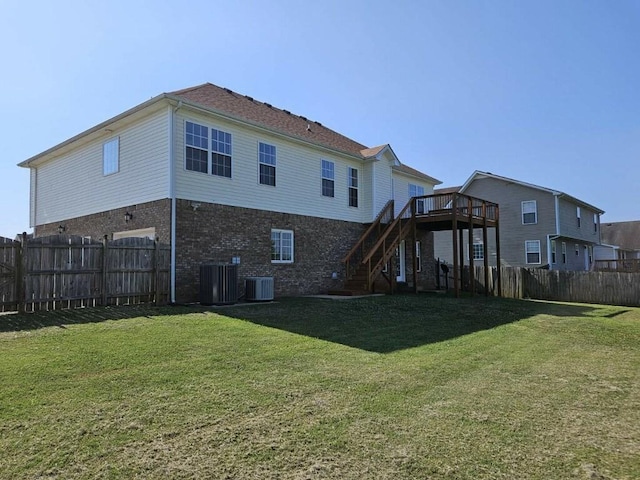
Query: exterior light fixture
point(61, 229)
point(128, 216)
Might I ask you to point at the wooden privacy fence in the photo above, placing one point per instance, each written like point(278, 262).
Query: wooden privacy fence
point(60, 271)
point(612, 288)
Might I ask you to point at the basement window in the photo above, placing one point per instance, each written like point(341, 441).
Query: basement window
point(281, 246)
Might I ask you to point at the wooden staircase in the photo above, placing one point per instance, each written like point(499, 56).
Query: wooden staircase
point(366, 260)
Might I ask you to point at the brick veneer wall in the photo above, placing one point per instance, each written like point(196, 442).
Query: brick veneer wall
point(215, 233)
point(151, 214)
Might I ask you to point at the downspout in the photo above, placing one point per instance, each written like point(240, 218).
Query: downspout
point(557, 202)
point(172, 196)
point(34, 199)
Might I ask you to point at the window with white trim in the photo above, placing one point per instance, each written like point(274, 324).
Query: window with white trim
point(281, 246)
point(353, 186)
point(111, 156)
point(595, 222)
point(578, 215)
point(553, 251)
point(564, 252)
point(417, 191)
point(196, 141)
point(532, 251)
point(267, 164)
point(478, 251)
point(418, 256)
point(220, 153)
point(328, 178)
point(529, 212)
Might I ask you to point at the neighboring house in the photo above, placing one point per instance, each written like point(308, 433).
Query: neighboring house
point(620, 241)
point(539, 226)
point(224, 178)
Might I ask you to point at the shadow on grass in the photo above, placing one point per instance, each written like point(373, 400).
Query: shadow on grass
point(14, 322)
point(390, 323)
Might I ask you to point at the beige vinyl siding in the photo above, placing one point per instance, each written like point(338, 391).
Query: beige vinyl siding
point(298, 187)
point(73, 185)
point(382, 185)
point(401, 189)
point(569, 223)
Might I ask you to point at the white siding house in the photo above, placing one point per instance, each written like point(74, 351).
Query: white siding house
point(221, 176)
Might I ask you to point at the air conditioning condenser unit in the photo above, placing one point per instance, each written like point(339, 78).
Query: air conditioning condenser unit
point(259, 289)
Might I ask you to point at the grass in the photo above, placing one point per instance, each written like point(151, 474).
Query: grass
point(385, 387)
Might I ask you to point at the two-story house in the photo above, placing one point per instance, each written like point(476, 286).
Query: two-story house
point(222, 177)
point(539, 226)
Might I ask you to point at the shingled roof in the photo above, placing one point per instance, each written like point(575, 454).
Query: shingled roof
point(247, 108)
point(622, 234)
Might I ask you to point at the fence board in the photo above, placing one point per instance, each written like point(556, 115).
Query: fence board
point(63, 271)
point(9, 274)
point(612, 288)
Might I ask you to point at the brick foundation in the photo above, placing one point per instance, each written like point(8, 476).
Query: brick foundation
point(215, 233)
point(151, 214)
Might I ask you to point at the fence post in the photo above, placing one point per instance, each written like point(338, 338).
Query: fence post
point(21, 256)
point(105, 264)
point(156, 269)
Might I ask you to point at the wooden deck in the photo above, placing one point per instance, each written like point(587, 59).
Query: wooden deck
point(449, 212)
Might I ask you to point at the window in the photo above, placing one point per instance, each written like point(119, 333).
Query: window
point(267, 161)
point(577, 250)
point(198, 151)
point(281, 246)
point(220, 153)
point(478, 251)
point(529, 212)
point(590, 254)
point(417, 191)
point(418, 256)
point(353, 187)
point(595, 222)
point(111, 156)
point(197, 143)
point(578, 215)
point(328, 178)
point(553, 251)
point(564, 252)
point(532, 250)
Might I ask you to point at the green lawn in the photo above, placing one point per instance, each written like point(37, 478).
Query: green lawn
point(385, 388)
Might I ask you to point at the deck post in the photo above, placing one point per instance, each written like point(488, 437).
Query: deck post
point(414, 242)
point(461, 256)
point(472, 273)
point(454, 230)
point(498, 251)
point(485, 256)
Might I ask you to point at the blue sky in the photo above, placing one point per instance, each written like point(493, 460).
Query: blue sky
point(546, 92)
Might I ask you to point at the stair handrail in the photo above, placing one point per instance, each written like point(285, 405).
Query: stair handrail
point(388, 206)
point(388, 230)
